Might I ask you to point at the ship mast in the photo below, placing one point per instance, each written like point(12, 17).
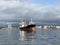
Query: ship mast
point(31, 20)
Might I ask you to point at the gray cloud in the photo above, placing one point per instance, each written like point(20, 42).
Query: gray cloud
point(14, 9)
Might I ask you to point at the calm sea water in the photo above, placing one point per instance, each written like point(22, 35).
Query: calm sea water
point(39, 37)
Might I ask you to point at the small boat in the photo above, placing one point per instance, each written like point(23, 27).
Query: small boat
point(10, 26)
point(27, 26)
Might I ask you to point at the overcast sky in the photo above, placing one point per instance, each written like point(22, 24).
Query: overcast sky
point(38, 9)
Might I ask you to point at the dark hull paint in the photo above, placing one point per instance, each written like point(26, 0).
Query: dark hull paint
point(29, 28)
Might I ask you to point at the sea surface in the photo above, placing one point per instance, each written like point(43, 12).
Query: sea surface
point(14, 36)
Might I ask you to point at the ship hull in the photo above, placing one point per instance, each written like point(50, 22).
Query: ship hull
point(29, 28)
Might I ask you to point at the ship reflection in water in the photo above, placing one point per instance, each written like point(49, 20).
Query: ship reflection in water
point(25, 36)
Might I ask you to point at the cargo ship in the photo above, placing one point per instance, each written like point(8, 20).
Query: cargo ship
point(27, 26)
